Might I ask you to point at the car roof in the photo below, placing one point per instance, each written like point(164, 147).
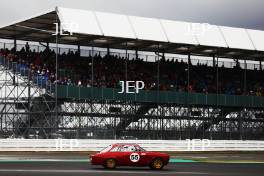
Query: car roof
point(118, 144)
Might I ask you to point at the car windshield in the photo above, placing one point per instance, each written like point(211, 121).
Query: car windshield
point(106, 149)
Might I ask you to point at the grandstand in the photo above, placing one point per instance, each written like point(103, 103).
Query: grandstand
point(48, 91)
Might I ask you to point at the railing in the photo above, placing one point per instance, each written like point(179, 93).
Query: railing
point(169, 97)
point(150, 145)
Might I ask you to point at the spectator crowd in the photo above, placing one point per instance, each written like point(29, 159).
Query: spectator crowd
point(108, 70)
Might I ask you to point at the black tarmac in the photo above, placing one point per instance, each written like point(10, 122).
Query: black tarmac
point(20, 168)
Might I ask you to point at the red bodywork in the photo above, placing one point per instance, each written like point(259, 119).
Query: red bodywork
point(128, 155)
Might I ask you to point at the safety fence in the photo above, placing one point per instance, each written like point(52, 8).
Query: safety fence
point(84, 145)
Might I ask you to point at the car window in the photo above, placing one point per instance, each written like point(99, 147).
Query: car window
point(128, 148)
point(124, 148)
point(132, 148)
point(116, 149)
point(106, 149)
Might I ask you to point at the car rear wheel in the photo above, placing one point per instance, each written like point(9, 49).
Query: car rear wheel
point(157, 164)
point(110, 164)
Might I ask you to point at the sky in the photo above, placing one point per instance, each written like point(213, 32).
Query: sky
point(234, 13)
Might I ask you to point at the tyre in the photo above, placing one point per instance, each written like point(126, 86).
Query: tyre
point(157, 164)
point(110, 164)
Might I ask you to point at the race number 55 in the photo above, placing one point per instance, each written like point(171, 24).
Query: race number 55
point(134, 157)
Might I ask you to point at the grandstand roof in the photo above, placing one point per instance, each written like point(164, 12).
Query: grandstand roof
point(146, 34)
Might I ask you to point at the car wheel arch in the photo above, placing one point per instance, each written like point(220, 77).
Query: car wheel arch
point(113, 158)
point(152, 161)
point(106, 159)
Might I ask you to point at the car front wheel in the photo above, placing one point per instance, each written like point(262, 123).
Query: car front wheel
point(157, 164)
point(110, 164)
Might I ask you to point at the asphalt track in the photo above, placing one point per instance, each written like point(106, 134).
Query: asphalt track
point(78, 168)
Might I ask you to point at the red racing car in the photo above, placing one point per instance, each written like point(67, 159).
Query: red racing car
point(129, 155)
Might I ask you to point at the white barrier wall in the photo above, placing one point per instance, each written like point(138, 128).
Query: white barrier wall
point(152, 145)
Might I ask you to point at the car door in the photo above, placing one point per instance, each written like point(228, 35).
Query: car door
point(132, 157)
